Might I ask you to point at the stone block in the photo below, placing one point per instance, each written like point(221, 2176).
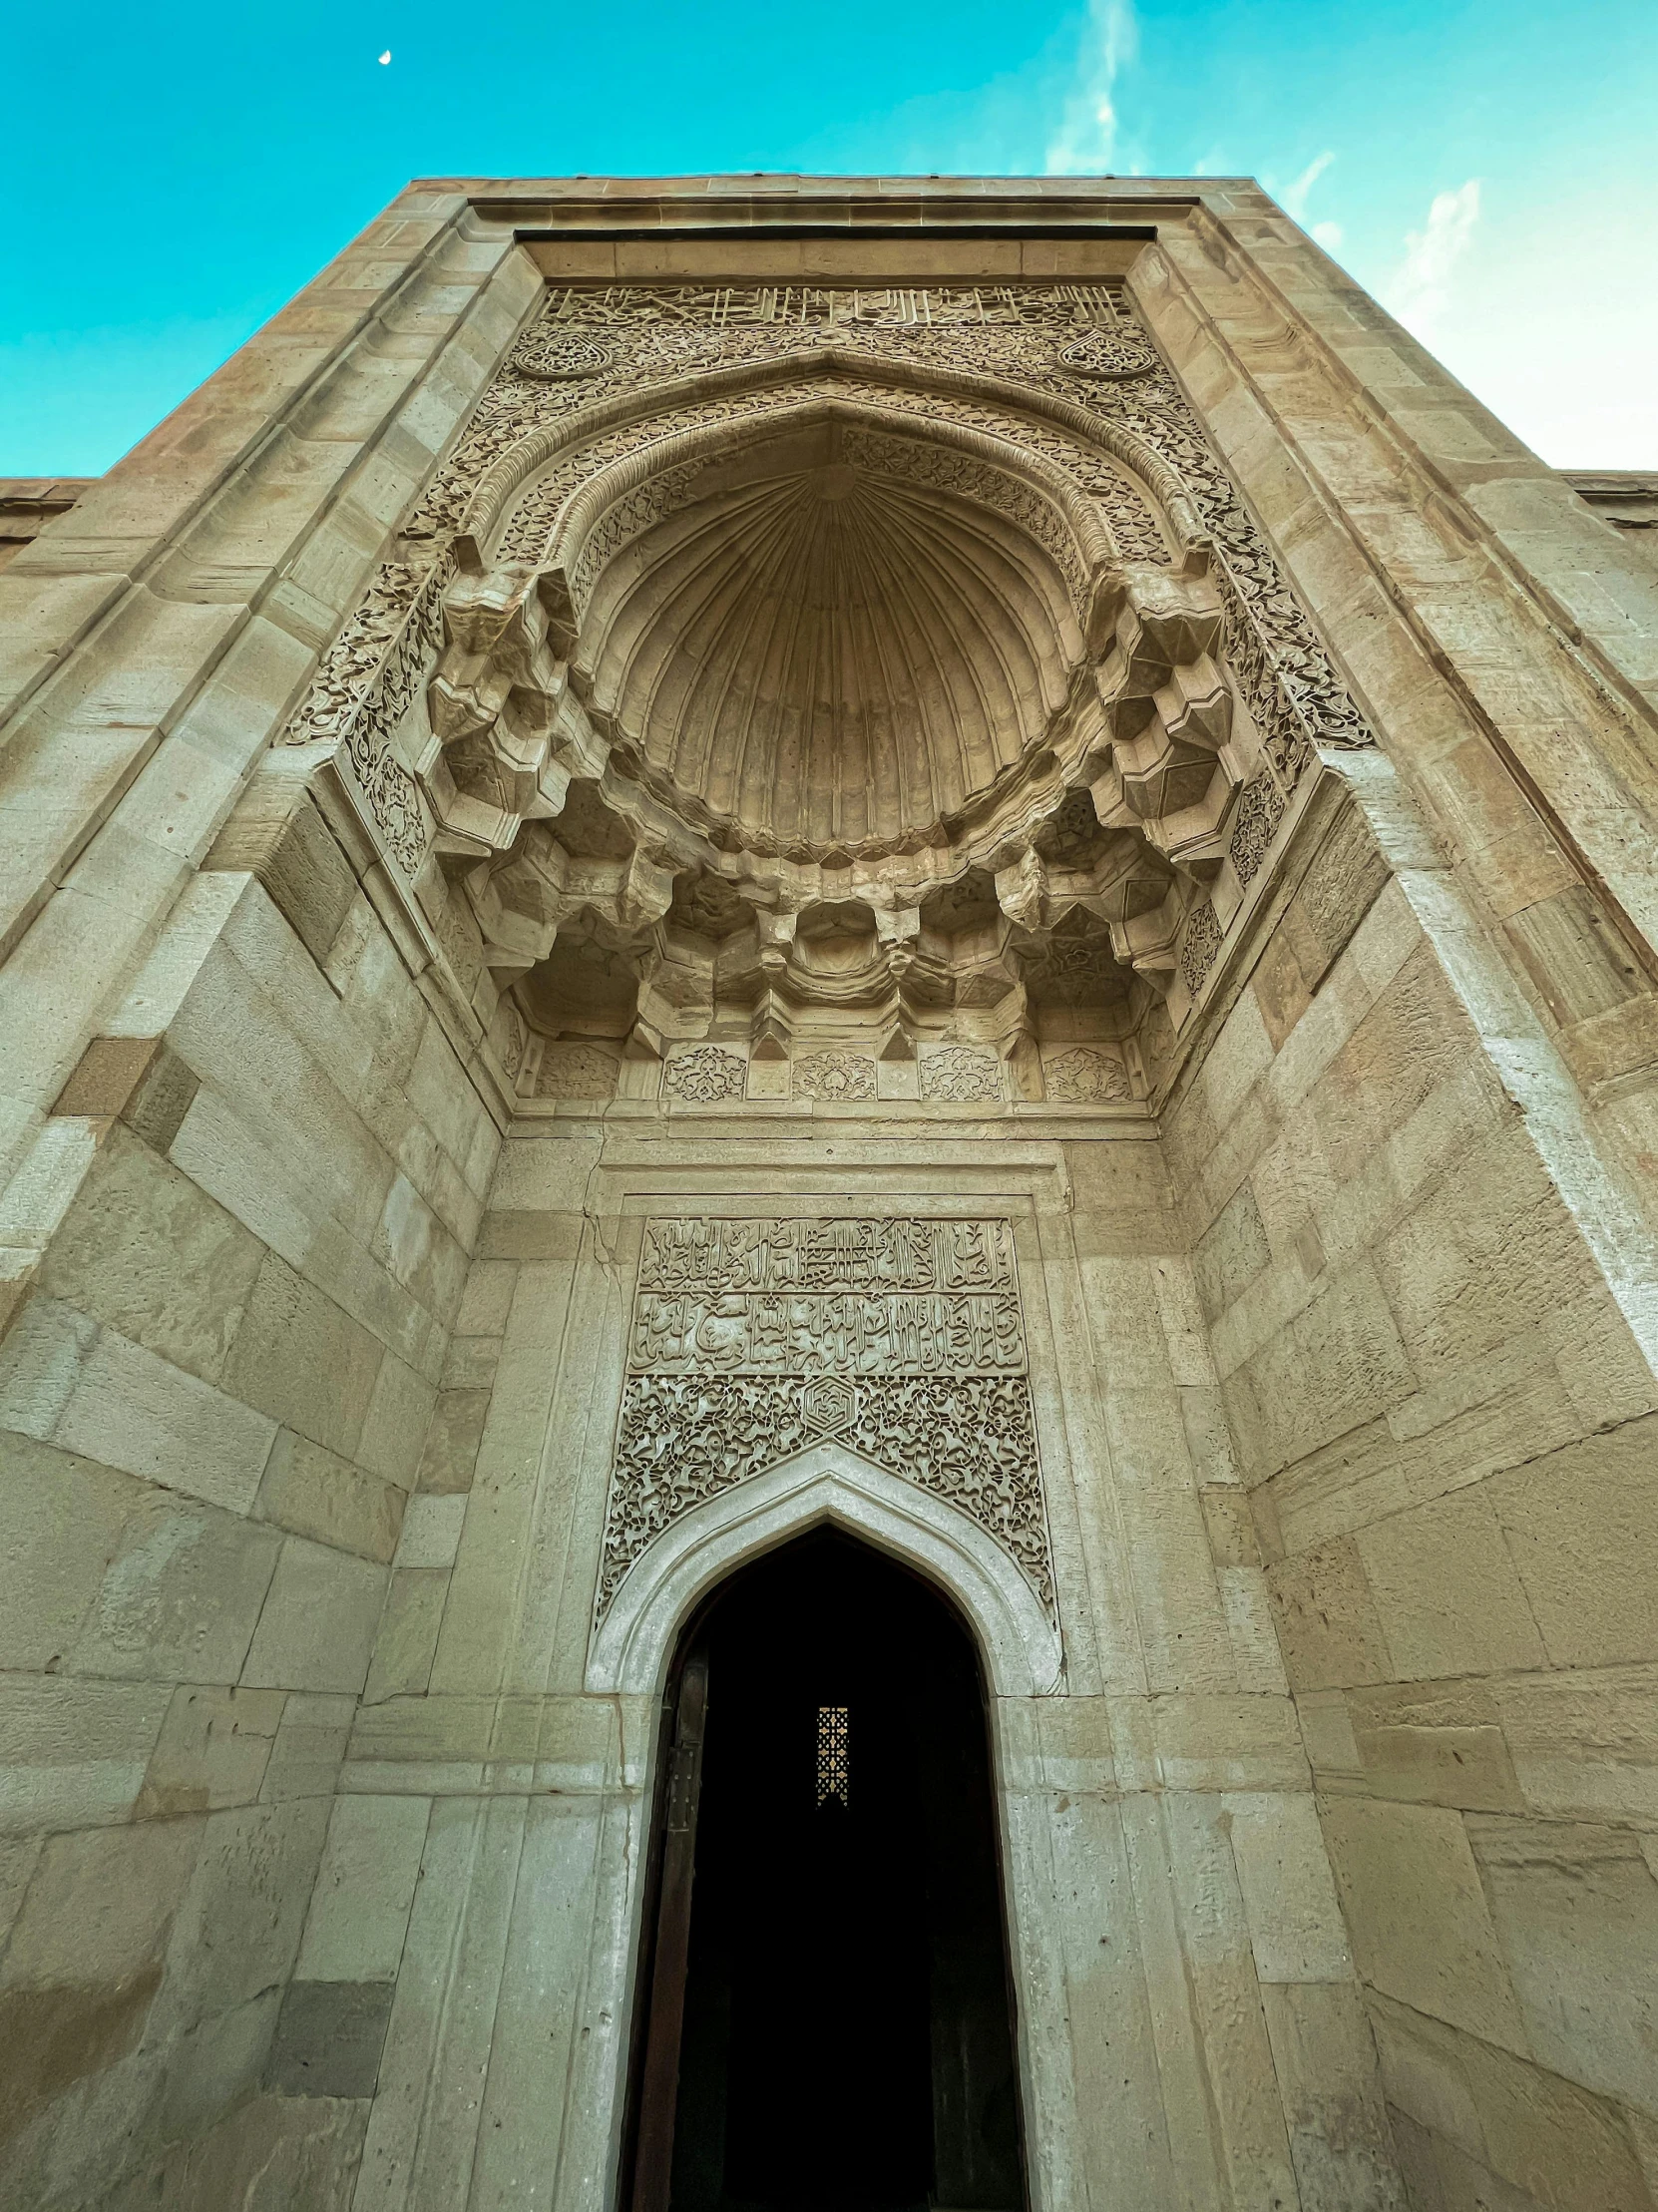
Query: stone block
point(487, 1299)
point(314, 1492)
point(181, 1596)
point(452, 1440)
point(309, 1748)
point(1231, 1253)
point(1582, 1526)
point(239, 1924)
point(1328, 1627)
point(431, 1531)
point(72, 1753)
point(271, 2154)
point(329, 2039)
point(1281, 989)
point(1488, 1252)
point(303, 1361)
point(146, 1251)
point(1585, 1746)
point(1444, 1749)
point(470, 1362)
point(407, 1640)
point(277, 836)
point(317, 1630)
point(1334, 1363)
point(1347, 875)
point(105, 1076)
point(1423, 2072)
point(1576, 1909)
point(212, 1751)
point(218, 1152)
point(1228, 1744)
point(61, 1519)
point(97, 1394)
point(1411, 1040)
point(399, 1415)
point(1327, 1731)
point(1417, 1914)
point(1295, 1924)
point(101, 1904)
point(214, 2066)
point(1445, 1591)
point(365, 1885)
point(1324, 2057)
point(1546, 2136)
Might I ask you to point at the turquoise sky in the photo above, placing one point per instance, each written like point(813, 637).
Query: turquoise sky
point(1489, 169)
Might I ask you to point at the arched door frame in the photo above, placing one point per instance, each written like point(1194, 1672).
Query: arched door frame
point(1017, 1642)
point(1021, 1653)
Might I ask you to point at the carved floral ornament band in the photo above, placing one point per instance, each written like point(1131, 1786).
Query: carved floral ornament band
point(752, 1341)
point(1062, 374)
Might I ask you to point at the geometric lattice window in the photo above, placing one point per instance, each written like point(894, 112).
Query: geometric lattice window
point(831, 1754)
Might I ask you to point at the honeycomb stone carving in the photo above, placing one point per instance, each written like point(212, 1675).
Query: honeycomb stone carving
point(1087, 597)
point(707, 1073)
point(753, 1340)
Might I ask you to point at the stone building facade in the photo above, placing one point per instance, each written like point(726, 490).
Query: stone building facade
point(969, 859)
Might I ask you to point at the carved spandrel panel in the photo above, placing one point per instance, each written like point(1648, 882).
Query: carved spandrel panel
point(753, 1340)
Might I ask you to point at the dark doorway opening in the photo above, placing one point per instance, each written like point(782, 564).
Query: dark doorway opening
point(829, 2021)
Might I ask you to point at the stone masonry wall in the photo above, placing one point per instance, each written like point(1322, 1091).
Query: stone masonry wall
point(1451, 1441)
point(214, 1401)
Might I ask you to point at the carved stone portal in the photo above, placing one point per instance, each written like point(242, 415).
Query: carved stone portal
point(754, 1340)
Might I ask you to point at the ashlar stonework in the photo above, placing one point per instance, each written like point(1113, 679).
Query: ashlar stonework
point(964, 860)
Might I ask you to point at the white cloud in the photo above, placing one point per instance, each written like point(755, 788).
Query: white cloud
point(385, 57)
point(1328, 236)
point(1421, 290)
point(1085, 140)
point(1295, 200)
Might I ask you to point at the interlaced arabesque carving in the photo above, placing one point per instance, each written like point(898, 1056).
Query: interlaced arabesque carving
point(834, 1075)
point(754, 1340)
point(1085, 1077)
point(1200, 945)
point(368, 680)
point(704, 1074)
point(1107, 354)
point(961, 1075)
point(1260, 810)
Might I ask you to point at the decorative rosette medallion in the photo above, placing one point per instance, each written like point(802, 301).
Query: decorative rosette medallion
point(1106, 355)
point(555, 356)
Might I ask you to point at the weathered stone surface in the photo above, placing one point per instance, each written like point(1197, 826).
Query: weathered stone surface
point(1113, 1032)
point(1420, 1925)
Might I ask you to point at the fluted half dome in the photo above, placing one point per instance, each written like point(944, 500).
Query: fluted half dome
point(830, 645)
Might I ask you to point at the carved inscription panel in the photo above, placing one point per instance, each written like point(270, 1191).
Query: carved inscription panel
point(754, 1340)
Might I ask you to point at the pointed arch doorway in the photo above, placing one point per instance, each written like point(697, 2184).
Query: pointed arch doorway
point(826, 2013)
